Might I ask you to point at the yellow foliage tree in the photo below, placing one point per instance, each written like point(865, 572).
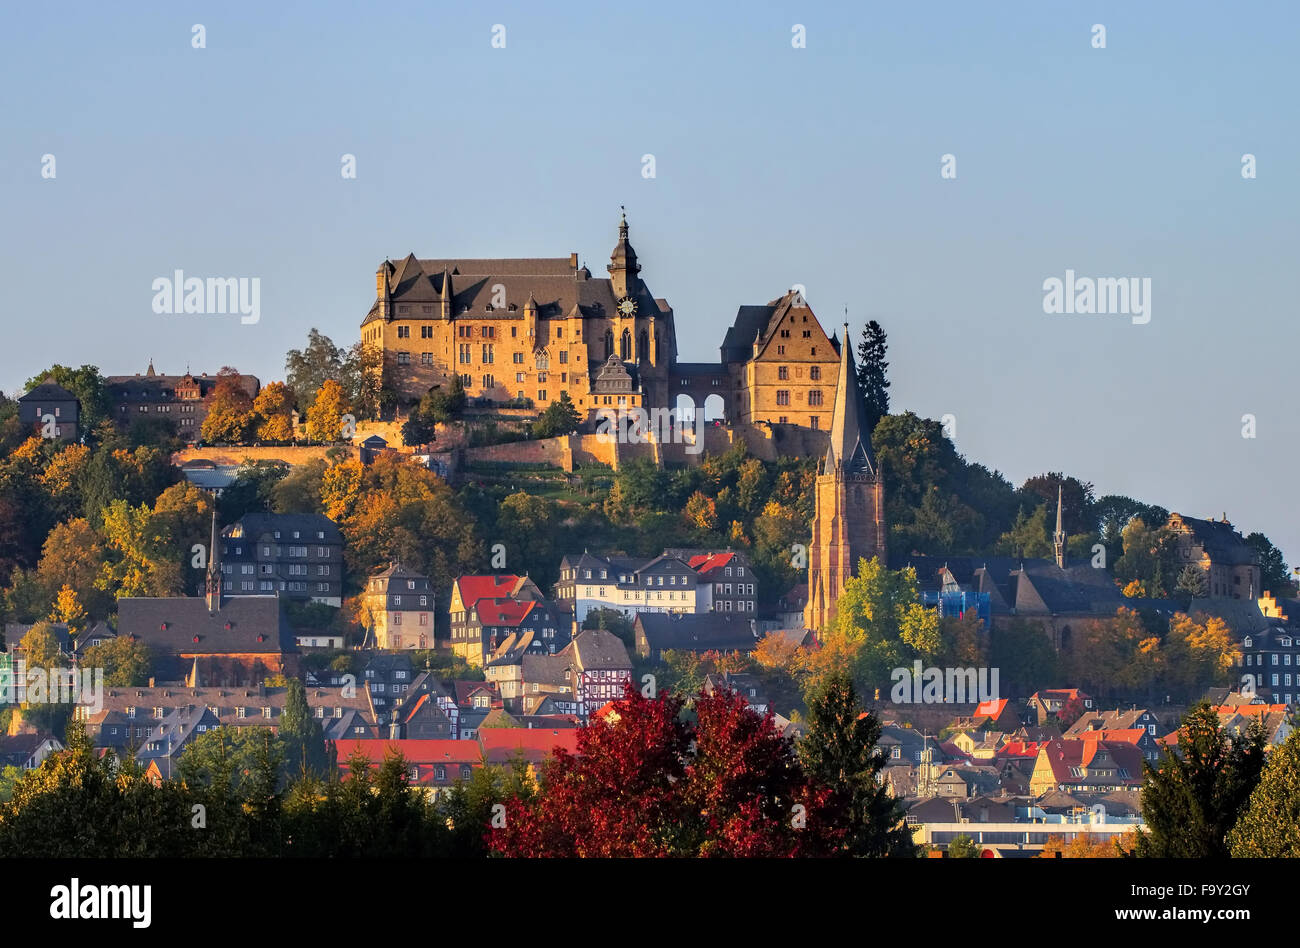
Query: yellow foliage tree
point(273, 409)
point(67, 609)
point(325, 420)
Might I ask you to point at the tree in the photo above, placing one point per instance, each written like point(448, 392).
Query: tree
point(872, 369)
point(879, 625)
point(1192, 582)
point(646, 782)
point(1081, 846)
point(701, 513)
point(325, 420)
point(839, 752)
point(963, 847)
point(307, 369)
point(273, 411)
point(1274, 576)
point(41, 647)
point(1028, 536)
point(74, 555)
point(559, 417)
point(126, 662)
point(1270, 825)
point(68, 610)
point(230, 415)
point(1200, 789)
point(304, 741)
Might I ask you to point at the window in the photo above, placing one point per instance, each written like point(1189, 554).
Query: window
point(815, 373)
point(426, 358)
point(489, 381)
point(403, 358)
point(814, 396)
point(783, 396)
point(783, 372)
point(487, 354)
point(403, 332)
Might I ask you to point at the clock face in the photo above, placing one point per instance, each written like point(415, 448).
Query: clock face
point(627, 306)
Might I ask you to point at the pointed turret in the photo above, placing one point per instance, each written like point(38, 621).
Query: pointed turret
point(623, 267)
point(445, 294)
point(1058, 538)
point(849, 452)
point(213, 586)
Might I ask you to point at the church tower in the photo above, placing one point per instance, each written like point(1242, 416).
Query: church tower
point(849, 519)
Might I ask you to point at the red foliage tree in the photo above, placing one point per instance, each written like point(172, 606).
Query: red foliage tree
point(645, 782)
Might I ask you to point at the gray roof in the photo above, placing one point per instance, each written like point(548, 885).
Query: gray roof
point(48, 390)
point(243, 624)
point(704, 632)
point(262, 524)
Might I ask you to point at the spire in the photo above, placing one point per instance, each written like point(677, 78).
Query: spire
point(848, 453)
point(623, 267)
point(445, 294)
point(1058, 538)
point(214, 569)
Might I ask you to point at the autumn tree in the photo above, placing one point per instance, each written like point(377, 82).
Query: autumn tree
point(73, 555)
point(273, 413)
point(325, 419)
point(69, 611)
point(230, 409)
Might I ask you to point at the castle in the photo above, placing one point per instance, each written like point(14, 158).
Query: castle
point(533, 328)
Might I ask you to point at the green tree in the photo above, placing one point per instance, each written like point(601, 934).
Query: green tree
point(963, 847)
point(1274, 576)
point(839, 753)
point(307, 369)
point(87, 384)
point(126, 662)
point(1192, 582)
point(304, 741)
point(873, 370)
point(559, 417)
point(1270, 825)
point(1200, 789)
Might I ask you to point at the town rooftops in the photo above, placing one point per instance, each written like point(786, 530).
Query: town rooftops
point(260, 525)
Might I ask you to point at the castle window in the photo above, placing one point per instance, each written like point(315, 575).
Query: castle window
point(815, 373)
point(815, 396)
point(403, 358)
point(783, 372)
point(564, 357)
point(815, 422)
point(426, 358)
point(783, 396)
point(403, 332)
point(426, 332)
point(514, 332)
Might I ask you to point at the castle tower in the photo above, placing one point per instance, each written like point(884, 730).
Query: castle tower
point(849, 518)
point(623, 268)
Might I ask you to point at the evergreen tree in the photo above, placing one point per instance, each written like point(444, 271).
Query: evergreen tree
point(304, 741)
point(839, 753)
point(872, 369)
point(560, 417)
point(1200, 789)
point(1270, 827)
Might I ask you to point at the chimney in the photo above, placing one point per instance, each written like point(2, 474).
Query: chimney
point(573, 261)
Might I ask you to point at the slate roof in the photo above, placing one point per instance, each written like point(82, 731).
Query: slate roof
point(709, 631)
point(1220, 540)
point(48, 390)
point(184, 625)
point(262, 525)
point(596, 649)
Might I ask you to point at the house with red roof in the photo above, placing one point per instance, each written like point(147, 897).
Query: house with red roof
point(434, 765)
point(1049, 703)
point(1097, 765)
point(503, 628)
point(466, 592)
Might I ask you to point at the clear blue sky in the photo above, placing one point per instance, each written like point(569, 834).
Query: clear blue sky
point(775, 166)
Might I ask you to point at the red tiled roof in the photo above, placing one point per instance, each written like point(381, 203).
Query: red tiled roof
point(415, 752)
point(1130, 735)
point(1245, 709)
point(502, 611)
point(465, 690)
point(1019, 749)
point(474, 588)
point(536, 744)
point(991, 709)
point(704, 564)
